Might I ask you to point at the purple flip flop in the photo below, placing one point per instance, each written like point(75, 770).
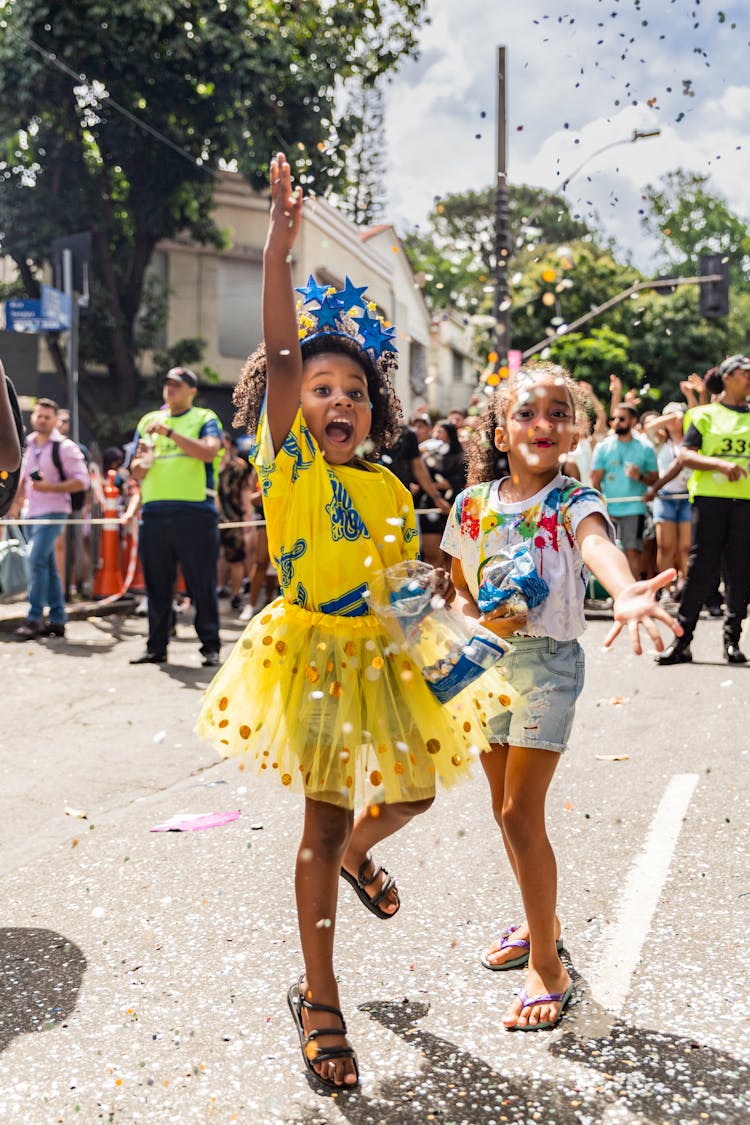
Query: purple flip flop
point(507, 942)
point(561, 998)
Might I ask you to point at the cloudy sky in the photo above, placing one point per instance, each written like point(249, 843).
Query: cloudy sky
point(581, 75)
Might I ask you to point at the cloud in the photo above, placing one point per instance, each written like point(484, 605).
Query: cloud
point(581, 76)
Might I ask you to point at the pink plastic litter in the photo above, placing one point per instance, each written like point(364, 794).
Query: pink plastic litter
point(192, 822)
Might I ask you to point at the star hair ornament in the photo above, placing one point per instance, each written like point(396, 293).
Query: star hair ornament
point(325, 311)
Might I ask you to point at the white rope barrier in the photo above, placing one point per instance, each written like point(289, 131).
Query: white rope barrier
point(122, 522)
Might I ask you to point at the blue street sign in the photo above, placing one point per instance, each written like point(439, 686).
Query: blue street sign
point(56, 305)
point(25, 315)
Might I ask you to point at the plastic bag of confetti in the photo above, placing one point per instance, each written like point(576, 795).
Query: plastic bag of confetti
point(511, 582)
point(451, 650)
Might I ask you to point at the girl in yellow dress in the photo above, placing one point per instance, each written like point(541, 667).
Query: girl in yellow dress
point(312, 692)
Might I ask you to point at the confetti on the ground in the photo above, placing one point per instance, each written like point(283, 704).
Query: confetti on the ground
point(77, 814)
point(612, 757)
point(193, 822)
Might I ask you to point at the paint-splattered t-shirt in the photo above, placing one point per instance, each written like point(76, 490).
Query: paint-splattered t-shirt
point(481, 526)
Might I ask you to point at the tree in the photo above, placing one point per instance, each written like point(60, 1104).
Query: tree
point(594, 357)
point(456, 252)
point(688, 220)
point(364, 195)
point(225, 82)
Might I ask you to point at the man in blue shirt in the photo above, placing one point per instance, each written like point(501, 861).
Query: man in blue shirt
point(623, 467)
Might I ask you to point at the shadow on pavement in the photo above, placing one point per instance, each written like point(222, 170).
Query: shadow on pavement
point(656, 1076)
point(40, 977)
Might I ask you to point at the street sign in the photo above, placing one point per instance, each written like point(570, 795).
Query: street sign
point(79, 246)
point(25, 315)
point(57, 306)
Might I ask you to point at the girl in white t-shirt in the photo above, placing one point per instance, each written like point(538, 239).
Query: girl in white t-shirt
point(563, 528)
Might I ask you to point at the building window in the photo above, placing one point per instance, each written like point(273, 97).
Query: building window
point(457, 361)
point(240, 329)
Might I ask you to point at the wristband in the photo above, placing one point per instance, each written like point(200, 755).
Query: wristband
point(169, 432)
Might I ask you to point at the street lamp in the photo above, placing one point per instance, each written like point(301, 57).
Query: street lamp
point(503, 240)
point(637, 135)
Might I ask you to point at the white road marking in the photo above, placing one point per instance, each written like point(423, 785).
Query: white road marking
point(610, 978)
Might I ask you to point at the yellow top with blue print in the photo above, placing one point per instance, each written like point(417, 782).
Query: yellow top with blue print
point(330, 527)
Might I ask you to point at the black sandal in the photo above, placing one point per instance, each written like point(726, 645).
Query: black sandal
point(297, 1002)
point(360, 885)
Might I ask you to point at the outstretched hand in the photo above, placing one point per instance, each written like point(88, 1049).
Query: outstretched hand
point(636, 605)
point(286, 206)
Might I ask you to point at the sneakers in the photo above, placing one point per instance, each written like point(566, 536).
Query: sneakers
point(150, 658)
point(28, 631)
point(236, 601)
point(53, 629)
point(211, 660)
point(732, 653)
point(247, 612)
point(677, 653)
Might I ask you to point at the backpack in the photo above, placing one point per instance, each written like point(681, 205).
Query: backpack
point(77, 499)
point(9, 480)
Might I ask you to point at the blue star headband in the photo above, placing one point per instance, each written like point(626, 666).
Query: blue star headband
point(336, 315)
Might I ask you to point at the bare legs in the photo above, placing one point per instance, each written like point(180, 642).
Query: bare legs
point(519, 779)
point(330, 836)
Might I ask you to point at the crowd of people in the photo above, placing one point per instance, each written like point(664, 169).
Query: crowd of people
point(649, 466)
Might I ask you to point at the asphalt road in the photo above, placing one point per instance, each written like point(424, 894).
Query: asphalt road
point(143, 975)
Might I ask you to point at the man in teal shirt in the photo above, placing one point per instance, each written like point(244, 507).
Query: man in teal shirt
point(174, 462)
point(623, 467)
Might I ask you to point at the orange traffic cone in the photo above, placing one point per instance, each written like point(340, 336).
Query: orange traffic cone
point(108, 580)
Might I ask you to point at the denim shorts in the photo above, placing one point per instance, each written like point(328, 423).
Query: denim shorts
point(549, 675)
point(630, 531)
point(672, 511)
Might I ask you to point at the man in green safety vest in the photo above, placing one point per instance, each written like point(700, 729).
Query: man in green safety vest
point(716, 446)
point(176, 450)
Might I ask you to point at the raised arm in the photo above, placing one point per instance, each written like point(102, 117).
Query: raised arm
point(283, 353)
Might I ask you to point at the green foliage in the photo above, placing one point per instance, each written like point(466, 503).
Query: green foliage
point(455, 254)
point(594, 357)
point(688, 220)
point(670, 340)
point(222, 82)
point(584, 277)
point(187, 352)
point(560, 270)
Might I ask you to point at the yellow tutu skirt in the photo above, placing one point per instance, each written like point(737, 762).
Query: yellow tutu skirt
point(326, 704)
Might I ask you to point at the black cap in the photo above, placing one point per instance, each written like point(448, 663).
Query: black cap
point(182, 375)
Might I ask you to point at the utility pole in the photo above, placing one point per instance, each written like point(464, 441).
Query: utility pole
point(502, 232)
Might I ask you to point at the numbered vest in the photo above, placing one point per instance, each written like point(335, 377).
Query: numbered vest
point(725, 434)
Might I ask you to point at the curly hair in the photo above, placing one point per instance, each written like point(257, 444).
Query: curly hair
point(386, 407)
point(483, 460)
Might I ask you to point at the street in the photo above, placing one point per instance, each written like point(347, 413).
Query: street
point(144, 975)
